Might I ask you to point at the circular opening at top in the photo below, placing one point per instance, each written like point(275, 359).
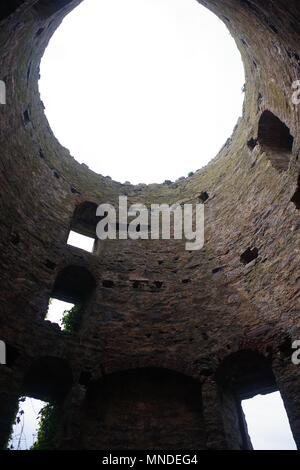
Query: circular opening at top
point(144, 90)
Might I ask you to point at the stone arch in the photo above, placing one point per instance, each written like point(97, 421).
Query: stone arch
point(275, 138)
point(73, 284)
point(84, 219)
point(273, 133)
point(246, 371)
point(48, 378)
point(146, 408)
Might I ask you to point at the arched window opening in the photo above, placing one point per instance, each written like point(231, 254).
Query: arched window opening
point(276, 139)
point(48, 379)
point(44, 389)
point(72, 288)
point(244, 377)
point(73, 284)
point(82, 232)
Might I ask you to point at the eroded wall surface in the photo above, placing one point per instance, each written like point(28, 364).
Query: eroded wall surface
point(154, 305)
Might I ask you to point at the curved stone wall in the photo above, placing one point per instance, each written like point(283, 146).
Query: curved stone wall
point(154, 304)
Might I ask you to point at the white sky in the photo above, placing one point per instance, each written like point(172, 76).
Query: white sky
point(268, 425)
point(81, 241)
point(56, 310)
point(25, 433)
point(142, 90)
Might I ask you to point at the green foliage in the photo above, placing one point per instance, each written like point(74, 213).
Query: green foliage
point(49, 416)
point(191, 173)
point(72, 319)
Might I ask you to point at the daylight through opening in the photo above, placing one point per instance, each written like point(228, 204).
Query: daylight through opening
point(267, 422)
point(72, 288)
point(81, 241)
point(25, 429)
point(164, 88)
point(83, 227)
point(58, 311)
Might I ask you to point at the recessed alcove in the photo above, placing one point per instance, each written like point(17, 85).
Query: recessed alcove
point(273, 133)
point(144, 407)
point(73, 284)
point(275, 138)
point(249, 255)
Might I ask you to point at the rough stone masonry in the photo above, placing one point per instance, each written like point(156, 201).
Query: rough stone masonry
point(170, 341)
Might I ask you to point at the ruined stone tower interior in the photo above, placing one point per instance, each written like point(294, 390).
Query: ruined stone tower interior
point(169, 341)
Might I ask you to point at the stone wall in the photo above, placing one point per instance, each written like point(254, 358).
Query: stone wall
point(165, 308)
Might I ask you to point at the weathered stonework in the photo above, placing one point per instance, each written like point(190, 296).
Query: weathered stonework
point(204, 323)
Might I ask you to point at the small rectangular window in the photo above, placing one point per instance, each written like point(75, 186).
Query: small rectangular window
point(81, 241)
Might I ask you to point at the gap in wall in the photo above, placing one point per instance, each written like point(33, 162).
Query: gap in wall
point(81, 241)
point(57, 309)
point(268, 424)
point(25, 429)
